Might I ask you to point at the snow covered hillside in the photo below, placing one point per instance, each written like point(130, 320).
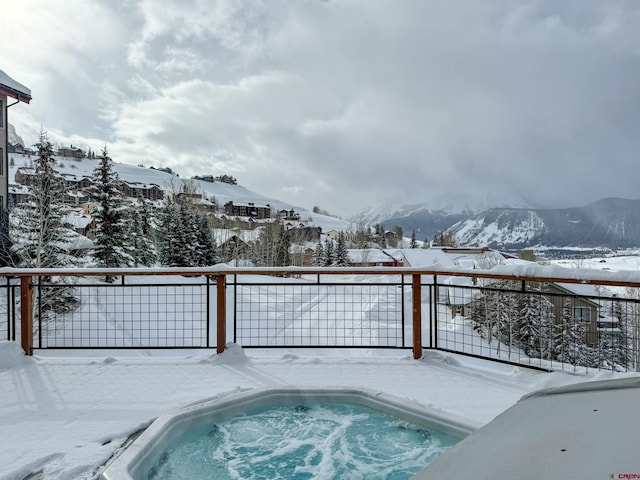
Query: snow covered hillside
point(522, 228)
point(220, 191)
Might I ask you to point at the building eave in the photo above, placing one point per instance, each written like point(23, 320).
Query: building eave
point(13, 89)
point(10, 92)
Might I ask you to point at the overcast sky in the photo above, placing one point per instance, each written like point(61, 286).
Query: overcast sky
point(342, 103)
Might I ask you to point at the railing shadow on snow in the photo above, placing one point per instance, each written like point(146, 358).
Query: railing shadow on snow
point(539, 316)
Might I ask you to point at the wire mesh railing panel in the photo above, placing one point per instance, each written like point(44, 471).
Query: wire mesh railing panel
point(539, 324)
point(472, 321)
point(530, 322)
point(121, 316)
point(9, 308)
point(319, 315)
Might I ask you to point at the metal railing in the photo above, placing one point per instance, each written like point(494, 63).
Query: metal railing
point(573, 319)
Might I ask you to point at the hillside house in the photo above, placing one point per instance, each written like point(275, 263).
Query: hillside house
point(138, 189)
point(25, 176)
point(198, 200)
point(457, 294)
point(301, 255)
point(288, 215)
point(234, 249)
point(332, 234)
point(71, 151)
point(15, 148)
point(191, 196)
point(385, 238)
point(584, 309)
point(73, 181)
point(75, 197)
point(250, 209)
point(582, 300)
point(303, 233)
point(9, 88)
point(18, 194)
point(82, 224)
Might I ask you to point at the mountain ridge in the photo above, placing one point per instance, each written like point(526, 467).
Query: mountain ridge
point(610, 222)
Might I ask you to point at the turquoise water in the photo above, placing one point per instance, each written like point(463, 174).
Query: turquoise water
point(320, 442)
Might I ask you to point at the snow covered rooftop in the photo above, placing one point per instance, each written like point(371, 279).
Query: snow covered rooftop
point(369, 255)
point(78, 221)
point(14, 89)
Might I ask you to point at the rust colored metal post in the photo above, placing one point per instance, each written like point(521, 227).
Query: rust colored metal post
point(26, 315)
point(417, 316)
point(221, 317)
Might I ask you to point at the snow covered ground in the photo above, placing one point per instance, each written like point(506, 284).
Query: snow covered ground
point(65, 416)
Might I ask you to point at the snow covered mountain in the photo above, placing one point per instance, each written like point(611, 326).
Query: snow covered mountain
point(508, 223)
point(457, 203)
point(609, 223)
point(14, 138)
point(436, 215)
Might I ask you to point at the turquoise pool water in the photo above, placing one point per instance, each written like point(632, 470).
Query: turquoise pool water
point(332, 441)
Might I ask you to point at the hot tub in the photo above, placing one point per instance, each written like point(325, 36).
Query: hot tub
point(138, 460)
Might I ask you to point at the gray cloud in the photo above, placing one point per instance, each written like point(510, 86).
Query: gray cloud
point(341, 103)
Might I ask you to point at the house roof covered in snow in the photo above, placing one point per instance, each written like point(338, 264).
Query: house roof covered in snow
point(78, 221)
point(450, 257)
point(11, 88)
point(370, 255)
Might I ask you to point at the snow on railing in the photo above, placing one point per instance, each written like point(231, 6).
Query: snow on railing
point(542, 316)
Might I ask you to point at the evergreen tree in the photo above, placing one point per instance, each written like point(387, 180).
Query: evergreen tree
point(187, 236)
point(39, 237)
point(341, 253)
point(283, 244)
point(507, 317)
point(414, 242)
point(614, 339)
point(207, 249)
point(169, 241)
point(535, 330)
point(112, 246)
point(632, 326)
point(570, 343)
point(490, 322)
point(318, 255)
point(145, 252)
point(6, 256)
point(329, 254)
